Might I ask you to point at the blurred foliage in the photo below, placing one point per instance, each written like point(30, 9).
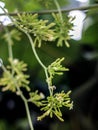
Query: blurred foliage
point(14, 76)
point(90, 29)
point(72, 55)
point(90, 36)
point(22, 5)
point(18, 125)
point(15, 34)
point(32, 5)
point(50, 4)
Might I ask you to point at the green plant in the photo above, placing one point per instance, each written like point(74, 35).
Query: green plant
point(14, 77)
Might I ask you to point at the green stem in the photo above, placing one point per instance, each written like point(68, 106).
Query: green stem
point(23, 98)
point(28, 115)
point(9, 39)
point(10, 42)
point(40, 62)
point(26, 107)
point(58, 8)
point(35, 53)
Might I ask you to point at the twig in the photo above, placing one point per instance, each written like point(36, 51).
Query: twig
point(84, 8)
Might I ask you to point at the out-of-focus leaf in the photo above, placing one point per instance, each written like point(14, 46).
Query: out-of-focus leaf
point(90, 36)
point(21, 5)
point(93, 13)
point(50, 4)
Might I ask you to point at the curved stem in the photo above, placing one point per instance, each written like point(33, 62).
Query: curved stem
point(39, 61)
point(35, 53)
point(10, 42)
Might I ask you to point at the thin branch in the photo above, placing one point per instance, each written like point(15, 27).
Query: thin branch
point(84, 8)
